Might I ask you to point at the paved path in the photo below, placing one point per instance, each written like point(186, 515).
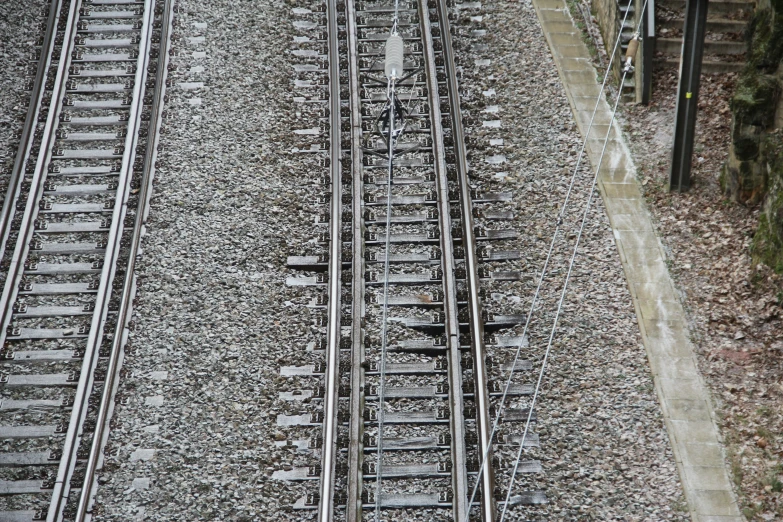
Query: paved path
point(684, 398)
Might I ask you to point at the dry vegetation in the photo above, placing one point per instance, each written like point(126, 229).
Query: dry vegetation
point(733, 307)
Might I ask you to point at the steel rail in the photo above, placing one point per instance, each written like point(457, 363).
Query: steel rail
point(459, 470)
point(86, 378)
point(27, 138)
point(16, 265)
point(481, 395)
point(128, 288)
point(356, 427)
point(332, 375)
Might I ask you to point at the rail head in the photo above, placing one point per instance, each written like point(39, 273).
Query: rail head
point(60, 494)
point(478, 351)
point(26, 141)
point(123, 314)
point(334, 314)
point(448, 263)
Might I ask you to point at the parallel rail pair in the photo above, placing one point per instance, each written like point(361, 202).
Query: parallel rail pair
point(71, 227)
point(394, 419)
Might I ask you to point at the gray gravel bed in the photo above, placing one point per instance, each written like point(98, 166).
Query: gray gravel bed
point(604, 448)
point(19, 33)
point(197, 438)
point(215, 319)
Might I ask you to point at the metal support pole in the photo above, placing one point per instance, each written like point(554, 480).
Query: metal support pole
point(648, 50)
point(688, 94)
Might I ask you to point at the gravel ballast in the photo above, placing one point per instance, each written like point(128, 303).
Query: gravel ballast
point(214, 319)
point(19, 32)
point(605, 451)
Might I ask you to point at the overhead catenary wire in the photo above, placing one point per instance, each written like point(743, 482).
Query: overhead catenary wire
point(545, 267)
point(385, 308)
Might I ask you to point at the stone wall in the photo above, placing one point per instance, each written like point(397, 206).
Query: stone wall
point(753, 173)
point(767, 246)
point(609, 18)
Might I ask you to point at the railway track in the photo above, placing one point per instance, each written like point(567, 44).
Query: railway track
point(71, 228)
point(401, 410)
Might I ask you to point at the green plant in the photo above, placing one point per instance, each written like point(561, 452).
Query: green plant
point(736, 473)
point(764, 411)
point(736, 466)
point(578, 18)
point(751, 512)
point(680, 505)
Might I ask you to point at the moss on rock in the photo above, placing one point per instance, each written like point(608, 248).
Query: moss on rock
point(753, 173)
point(767, 246)
point(744, 177)
point(746, 140)
point(756, 94)
point(765, 39)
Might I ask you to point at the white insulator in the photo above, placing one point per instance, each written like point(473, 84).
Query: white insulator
point(394, 56)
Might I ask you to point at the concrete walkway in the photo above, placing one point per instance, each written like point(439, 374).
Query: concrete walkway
point(684, 398)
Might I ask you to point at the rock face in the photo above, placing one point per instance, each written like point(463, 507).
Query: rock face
point(767, 246)
point(753, 173)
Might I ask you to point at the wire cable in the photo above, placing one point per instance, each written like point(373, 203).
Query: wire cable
point(385, 310)
point(564, 291)
point(559, 308)
point(396, 16)
point(391, 97)
point(545, 267)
